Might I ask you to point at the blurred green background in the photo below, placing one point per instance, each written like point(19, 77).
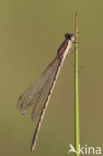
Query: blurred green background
point(30, 34)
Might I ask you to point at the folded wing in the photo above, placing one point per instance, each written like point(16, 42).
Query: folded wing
point(37, 94)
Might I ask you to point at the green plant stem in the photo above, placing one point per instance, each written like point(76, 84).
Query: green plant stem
point(76, 88)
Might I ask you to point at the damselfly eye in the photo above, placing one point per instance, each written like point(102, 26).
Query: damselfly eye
point(69, 36)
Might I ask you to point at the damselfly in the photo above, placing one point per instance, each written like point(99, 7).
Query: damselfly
point(38, 94)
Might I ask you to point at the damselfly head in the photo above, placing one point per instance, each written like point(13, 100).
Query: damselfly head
point(69, 36)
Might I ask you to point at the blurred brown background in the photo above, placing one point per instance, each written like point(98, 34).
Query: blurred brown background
point(30, 34)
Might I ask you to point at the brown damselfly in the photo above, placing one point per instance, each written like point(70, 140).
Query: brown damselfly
point(39, 93)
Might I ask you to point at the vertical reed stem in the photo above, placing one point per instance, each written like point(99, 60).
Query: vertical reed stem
point(76, 88)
